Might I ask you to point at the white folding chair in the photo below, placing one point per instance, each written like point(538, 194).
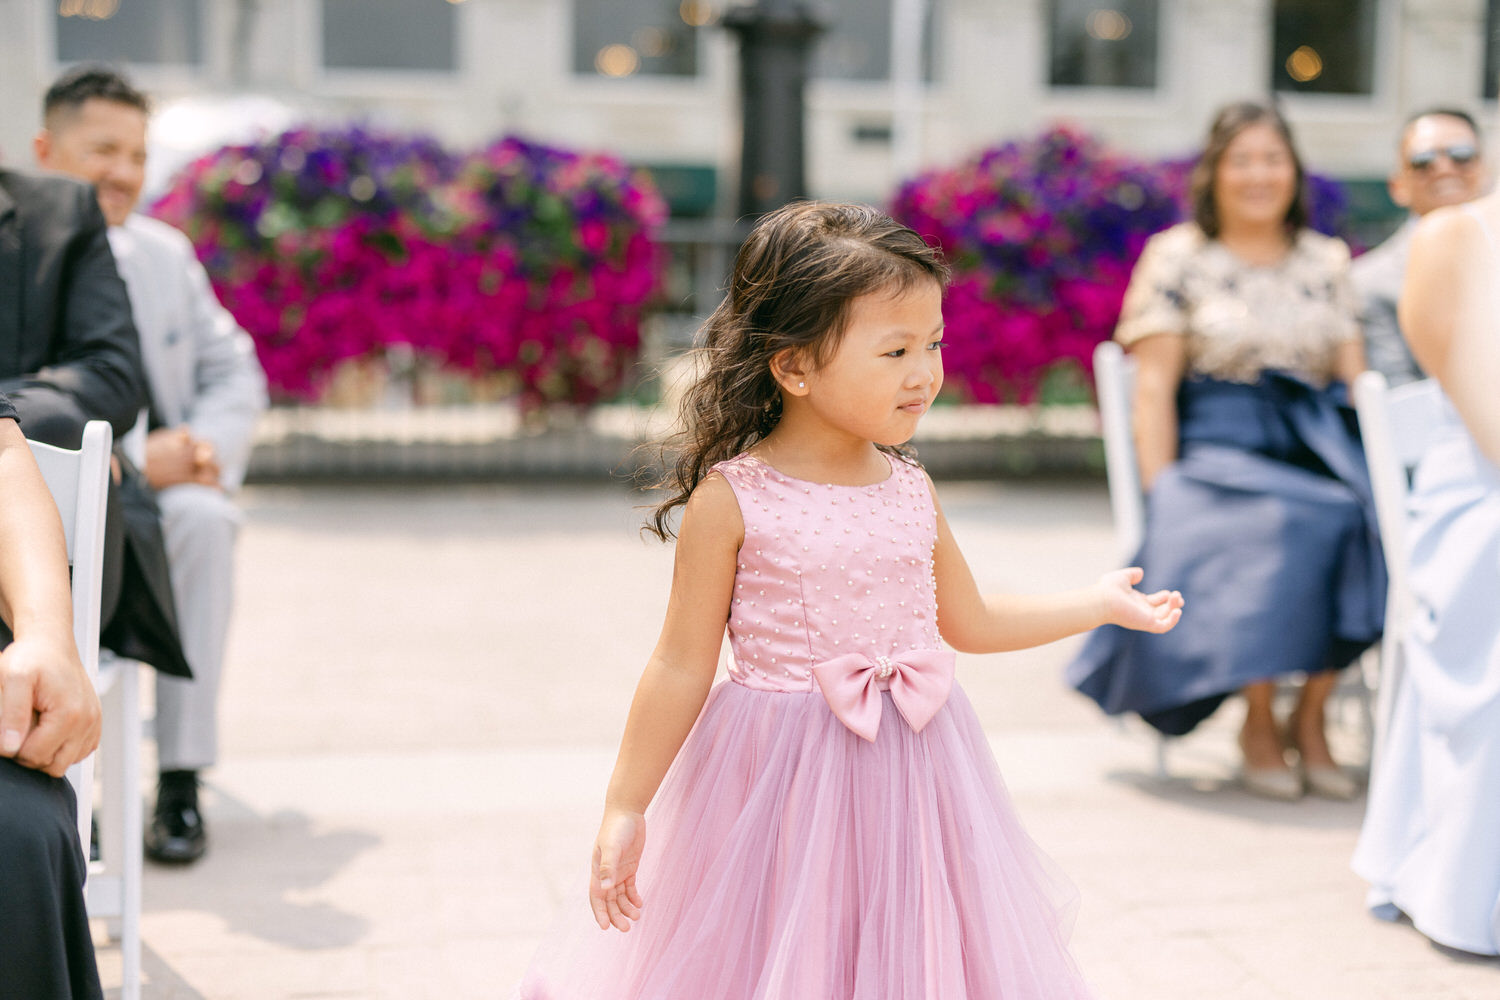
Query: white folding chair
point(79, 483)
point(1114, 381)
point(1398, 425)
point(1114, 385)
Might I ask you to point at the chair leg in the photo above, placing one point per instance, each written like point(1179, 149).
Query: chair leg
point(131, 857)
point(120, 822)
point(1391, 668)
point(81, 777)
point(112, 834)
point(1368, 691)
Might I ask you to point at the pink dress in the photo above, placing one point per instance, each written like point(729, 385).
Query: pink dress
point(791, 857)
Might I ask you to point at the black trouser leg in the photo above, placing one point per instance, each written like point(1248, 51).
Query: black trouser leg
point(46, 952)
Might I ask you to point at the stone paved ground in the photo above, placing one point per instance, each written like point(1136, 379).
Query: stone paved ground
point(425, 691)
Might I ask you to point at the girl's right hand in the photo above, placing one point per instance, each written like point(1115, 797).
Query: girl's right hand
point(1129, 608)
point(617, 853)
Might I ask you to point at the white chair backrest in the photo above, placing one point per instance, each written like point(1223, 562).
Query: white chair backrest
point(1397, 426)
point(79, 484)
point(1114, 381)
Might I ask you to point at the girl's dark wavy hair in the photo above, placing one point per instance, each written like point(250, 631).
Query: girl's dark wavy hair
point(794, 281)
point(1228, 123)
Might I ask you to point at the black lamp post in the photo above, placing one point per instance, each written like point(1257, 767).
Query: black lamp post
point(776, 39)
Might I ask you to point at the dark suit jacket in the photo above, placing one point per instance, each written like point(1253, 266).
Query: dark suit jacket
point(69, 353)
point(65, 326)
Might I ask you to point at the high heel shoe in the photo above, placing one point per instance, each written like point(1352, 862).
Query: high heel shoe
point(1280, 783)
point(1330, 781)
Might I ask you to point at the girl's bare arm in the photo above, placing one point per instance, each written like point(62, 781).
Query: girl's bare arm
point(681, 669)
point(972, 622)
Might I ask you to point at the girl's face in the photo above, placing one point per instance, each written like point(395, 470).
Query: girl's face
point(1256, 179)
point(887, 368)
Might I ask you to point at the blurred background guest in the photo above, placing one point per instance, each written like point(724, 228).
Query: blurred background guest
point(1441, 163)
point(1243, 328)
point(206, 390)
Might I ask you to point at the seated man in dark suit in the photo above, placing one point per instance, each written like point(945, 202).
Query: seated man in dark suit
point(69, 353)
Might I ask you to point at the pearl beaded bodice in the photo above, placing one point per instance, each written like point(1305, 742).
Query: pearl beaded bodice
point(828, 570)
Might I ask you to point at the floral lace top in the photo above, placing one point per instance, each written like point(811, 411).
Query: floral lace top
point(1241, 319)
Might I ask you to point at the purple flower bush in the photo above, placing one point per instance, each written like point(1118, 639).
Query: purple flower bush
point(1042, 236)
point(520, 260)
point(577, 230)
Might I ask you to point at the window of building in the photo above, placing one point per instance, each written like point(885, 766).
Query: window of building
point(855, 43)
point(1492, 50)
point(1103, 43)
point(142, 32)
point(1324, 46)
point(622, 38)
point(420, 35)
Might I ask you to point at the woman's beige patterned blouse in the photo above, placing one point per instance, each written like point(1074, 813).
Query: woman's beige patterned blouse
point(1240, 319)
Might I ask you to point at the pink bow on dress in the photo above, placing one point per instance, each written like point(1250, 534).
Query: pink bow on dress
point(920, 680)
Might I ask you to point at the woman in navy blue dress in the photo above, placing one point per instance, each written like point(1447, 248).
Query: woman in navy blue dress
point(1243, 326)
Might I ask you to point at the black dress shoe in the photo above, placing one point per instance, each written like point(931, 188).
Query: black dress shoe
point(176, 835)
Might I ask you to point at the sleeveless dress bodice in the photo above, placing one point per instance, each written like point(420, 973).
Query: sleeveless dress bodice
point(828, 570)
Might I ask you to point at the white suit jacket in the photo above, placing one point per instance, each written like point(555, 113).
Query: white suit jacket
point(201, 368)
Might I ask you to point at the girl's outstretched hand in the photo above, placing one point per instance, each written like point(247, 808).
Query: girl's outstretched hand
point(617, 852)
point(1127, 607)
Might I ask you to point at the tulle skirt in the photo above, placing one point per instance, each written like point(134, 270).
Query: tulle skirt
point(788, 859)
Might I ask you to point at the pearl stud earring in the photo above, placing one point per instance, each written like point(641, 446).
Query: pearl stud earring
point(802, 385)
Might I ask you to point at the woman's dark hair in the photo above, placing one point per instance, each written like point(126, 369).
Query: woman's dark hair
point(1228, 123)
point(793, 283)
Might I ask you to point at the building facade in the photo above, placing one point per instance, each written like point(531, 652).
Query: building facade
point(656, 80)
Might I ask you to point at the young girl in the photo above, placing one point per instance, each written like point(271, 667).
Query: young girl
point(831, 823)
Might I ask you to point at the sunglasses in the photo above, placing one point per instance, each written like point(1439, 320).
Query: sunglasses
point(1460, 155)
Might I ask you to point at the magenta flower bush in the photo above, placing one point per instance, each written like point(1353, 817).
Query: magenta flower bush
point(1042, 235)
point(519, 260)
point(577, 230)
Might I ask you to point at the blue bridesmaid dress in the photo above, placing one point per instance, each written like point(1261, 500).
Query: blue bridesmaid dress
point(1430, 845)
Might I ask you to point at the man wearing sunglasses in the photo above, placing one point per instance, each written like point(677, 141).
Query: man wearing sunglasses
point(1441, 164)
